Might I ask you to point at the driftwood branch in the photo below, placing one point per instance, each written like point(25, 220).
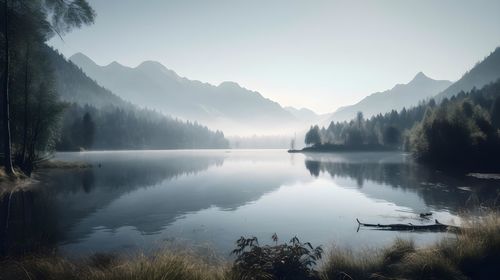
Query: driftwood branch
point(437, 226)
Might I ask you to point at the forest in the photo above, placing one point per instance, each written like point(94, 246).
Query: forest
point(461, 131)
point(90, 189)
point(113, 128)
point(44, 107)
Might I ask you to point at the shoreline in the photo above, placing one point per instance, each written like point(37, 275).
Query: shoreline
point(9, 184)
point(19, 181)
point(332, 148)
point(470, 254)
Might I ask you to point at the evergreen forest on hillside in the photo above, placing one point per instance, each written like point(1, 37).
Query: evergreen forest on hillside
point(50, 104)
point(463, 130)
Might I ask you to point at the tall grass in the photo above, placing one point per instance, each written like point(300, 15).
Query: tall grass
point(473, 253)
point(162, 266)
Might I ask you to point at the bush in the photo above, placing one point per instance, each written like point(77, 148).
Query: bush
point(293, 260)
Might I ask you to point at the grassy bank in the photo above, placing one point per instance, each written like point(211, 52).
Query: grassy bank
point(13, 182)
point(161, 266)
point(472, 254)
point(19, 180)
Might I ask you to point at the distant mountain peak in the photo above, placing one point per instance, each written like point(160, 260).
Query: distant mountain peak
point(79, 58)
point(303, 114)
point(151, 67)
point(229, 84)
point(152, 64)
point(114, 64)
point(79, 55)
point(420, 88)
point(420, 77)
point(301, 109)
point(227, 106)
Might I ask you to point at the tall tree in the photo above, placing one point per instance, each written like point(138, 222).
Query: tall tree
point(359, 120)
point(26, 105)
point(33, 21)
point(88, 131)
point(495, 113)
point(313, 136)
point(391, 135)
point(5, 98)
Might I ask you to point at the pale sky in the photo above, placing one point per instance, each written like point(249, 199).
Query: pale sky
point(315, 54)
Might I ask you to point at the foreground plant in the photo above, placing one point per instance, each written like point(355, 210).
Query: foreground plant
point(292, 260)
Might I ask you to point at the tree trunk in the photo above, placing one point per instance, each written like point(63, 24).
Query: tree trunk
point(6, 116)
point(26, 88)
point(31, 153)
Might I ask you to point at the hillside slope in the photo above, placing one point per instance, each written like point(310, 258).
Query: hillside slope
point(483, 73)
point(119, 124)
point(227, 106)
point(407, 95)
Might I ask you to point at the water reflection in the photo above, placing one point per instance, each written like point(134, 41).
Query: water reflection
point(439, 190)
point(26, 223)
point(45, 215)
point(139, 198)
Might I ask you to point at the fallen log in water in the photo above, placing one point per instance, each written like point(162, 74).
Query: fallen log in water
point(437, 226)
point(425, 215)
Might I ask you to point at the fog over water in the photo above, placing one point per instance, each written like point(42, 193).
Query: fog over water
point(207, 199)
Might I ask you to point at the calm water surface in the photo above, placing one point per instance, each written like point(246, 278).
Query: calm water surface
point(144, 200)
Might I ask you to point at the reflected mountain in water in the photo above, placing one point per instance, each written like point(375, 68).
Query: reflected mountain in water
point(143, 190)
point(388, 171)
point(138, 198)
point(47, 213)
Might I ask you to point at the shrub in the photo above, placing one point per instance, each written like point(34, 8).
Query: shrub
point(293, 260)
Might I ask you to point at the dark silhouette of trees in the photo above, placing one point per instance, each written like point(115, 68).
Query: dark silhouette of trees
point(25, 27)
point(392, 136)
point(495, 113)
point(35, 109)
point(313, 136)
point(463, 130)
point(5, 88)
point(359, 120)
point(354, 136)
point(460, 132)
point(117, 128)
point(119, 124)
point(88, 127)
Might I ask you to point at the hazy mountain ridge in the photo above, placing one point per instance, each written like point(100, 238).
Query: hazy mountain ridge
point(420, 88)
point(119, 124)
point(483, 73)
point(152, 85)
point(302, 114)
point(74, 86)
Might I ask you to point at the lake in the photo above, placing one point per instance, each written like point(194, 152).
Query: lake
point(131, 201)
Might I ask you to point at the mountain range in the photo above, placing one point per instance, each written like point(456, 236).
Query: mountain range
point(420, 88)
point(73, 86)
point(303, 113)
point(240, 111)
point(227, 106)
point(118, 124)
